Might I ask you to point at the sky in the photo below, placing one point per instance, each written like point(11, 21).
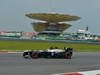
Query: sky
point(12, 13)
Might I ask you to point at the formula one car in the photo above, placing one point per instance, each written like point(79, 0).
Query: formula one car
point(50, 53)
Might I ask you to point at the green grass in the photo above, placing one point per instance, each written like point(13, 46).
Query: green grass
point(24, 45)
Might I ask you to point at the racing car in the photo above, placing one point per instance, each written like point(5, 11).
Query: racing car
point(49, 53)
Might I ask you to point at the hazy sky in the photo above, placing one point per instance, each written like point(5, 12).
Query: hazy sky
point(12, 13)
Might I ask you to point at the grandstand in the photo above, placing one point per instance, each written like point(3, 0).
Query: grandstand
point(17, 35)
point(53, 24)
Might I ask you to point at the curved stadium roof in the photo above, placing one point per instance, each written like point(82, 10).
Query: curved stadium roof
point(52, 17)
point(39, 26)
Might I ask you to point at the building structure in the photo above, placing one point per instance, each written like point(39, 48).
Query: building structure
point(53, 24)
point(81, 34)
point(17, 35)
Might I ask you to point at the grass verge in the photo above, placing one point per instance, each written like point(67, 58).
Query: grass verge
point(27, 45)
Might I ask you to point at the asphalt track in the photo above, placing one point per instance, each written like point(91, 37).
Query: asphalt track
point(15, 64)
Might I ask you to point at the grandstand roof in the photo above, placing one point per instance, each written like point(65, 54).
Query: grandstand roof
point(39, 26)
point(52, 17)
